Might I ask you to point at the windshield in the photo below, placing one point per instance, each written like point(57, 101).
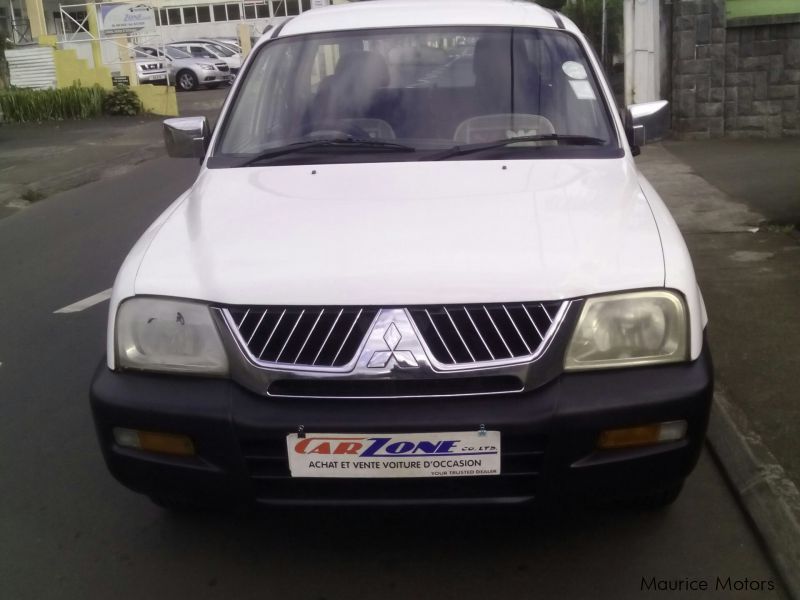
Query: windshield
point(222, 50)
point(196, 51)
point(176, 53)
point(432, 89)
point(145, 52)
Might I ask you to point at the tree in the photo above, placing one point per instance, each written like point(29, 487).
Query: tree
point(554, 4)
point(588, 16)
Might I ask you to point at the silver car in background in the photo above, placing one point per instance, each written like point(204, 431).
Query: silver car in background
point(187, 72)
point(205, 49)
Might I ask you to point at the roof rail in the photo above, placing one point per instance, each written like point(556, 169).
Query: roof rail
point(556, 18)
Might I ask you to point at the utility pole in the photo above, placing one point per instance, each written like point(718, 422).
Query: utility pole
point(603, 42)
point(642, 50)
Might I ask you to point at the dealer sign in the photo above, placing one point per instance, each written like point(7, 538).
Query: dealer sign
point(378, 455)
point(123, 18)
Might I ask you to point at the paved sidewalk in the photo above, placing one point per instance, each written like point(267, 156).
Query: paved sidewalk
point(765, 174)
point(749, 273)
point(750, 278)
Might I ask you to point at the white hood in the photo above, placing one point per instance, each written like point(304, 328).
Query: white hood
point(407, 233)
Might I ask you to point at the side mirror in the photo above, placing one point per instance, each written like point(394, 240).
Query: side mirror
point(187, 137)
point(646, 122)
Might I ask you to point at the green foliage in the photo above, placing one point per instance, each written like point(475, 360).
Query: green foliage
point(19, 105)
point(25, 105)
point(122, 101)
point(554, 4)
point(588, 16)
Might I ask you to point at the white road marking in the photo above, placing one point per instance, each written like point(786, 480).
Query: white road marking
point(85, 303)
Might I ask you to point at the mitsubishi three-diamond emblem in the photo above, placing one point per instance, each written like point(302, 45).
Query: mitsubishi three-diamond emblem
point(380, 359)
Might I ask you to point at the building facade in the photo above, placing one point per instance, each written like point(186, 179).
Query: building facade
point(186, 19)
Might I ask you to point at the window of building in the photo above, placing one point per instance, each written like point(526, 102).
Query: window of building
point(233, 12)
point(161, 17)
point(203, 14)
point(189, 14)
point(69, 26)
point(262, 11)
point(219, 12)
point(292, 7)
point(279, 8)
point(305, 5)
point(174, 16)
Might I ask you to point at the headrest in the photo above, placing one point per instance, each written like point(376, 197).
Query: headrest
point(491, 55)
point(363, 66)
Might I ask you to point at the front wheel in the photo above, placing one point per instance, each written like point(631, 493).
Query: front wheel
point(187, 81)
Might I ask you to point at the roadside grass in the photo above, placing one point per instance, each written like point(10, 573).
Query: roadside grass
point(26, 105)
point(777, 227)
point(19, 105)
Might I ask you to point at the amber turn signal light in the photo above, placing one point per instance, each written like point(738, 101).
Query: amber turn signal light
point(642, 435)
point(162, 443)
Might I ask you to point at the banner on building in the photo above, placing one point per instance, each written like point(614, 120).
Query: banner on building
point(124, 18)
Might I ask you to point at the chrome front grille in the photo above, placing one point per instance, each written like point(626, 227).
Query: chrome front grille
point(478, 333)
point(302, 337)
point(370, 341)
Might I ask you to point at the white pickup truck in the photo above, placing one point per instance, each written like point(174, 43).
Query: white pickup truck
point(419, 265)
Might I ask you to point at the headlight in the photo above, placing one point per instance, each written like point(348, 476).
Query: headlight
point(177, 336)
point(624, 330)
point(207, 67)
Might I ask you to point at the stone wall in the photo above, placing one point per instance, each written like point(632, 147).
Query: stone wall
point(733, 79)
point(698, 68)
point(762, 80)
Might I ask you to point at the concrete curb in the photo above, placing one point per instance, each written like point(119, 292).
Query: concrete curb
point(770, 498)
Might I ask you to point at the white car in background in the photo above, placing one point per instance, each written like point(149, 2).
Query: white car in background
point(211, 50)
point(187, 72)
point(418, 265)
point(151, 70)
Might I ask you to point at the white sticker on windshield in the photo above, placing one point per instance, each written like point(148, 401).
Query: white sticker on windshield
point(574, 70)
point(583, 90)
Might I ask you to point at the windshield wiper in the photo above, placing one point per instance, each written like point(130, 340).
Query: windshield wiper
point(574, 140)
point(348, 142)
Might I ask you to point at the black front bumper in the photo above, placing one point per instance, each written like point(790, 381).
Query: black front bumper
point(549, 437)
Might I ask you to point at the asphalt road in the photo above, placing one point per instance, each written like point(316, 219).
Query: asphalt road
point(68, 530)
